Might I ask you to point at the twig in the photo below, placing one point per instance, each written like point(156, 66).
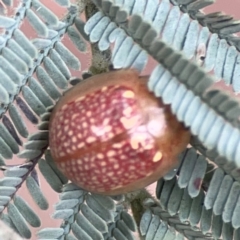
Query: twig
point(137, 200)
point(100, 59)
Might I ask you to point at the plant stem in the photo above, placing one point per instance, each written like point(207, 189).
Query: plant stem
point(136, 200)
point(100, 59)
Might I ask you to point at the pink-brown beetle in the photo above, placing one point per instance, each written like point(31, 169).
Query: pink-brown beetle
point(110, 135)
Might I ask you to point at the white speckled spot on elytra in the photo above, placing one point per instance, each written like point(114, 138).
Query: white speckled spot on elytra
point(88, 113)
point(74, 139)
point(106, 121)
point(123, 157)
point(80, 145)
point(64, 107)
point(118, 145)
point(110, 174)
point(86, 167)
point(129, 123)
point(116, 166)
point(74, 116)
point(132, 167)
point(103, 163)
point(134, 143)
point(111, 153)
point(112, 160)
point(86, 159)
point(79, 162)
point(119, 172)
point(90, 139)
point(74, 148)
point(104, 89)
point(127, 111)
point(157, 157)
point(110, 135)
point(100, 156)
point(70, 133)
point(128, 94)
point(59, 134)
point(98, 130)
point(108, 128)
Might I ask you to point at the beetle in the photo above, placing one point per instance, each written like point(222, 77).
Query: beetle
point(110, 135)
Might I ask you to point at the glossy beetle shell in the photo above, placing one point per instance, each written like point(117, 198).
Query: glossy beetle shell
point(110, 135)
